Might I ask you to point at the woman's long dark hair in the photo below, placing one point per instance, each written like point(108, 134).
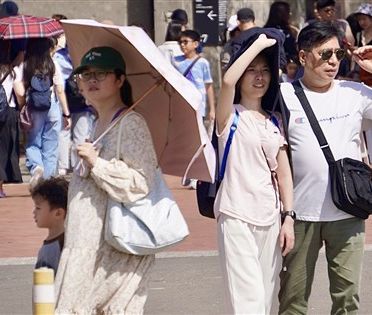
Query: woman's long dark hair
point(173, 32)
point(125, 90)
point(5, 59)
point(279, 16)
point(38, 59)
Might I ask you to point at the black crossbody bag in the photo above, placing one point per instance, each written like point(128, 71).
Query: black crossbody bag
point(351, 180)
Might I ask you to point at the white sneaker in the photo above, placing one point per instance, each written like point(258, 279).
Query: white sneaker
point(36, 176)
point(193, 184)
point(62, 172)
point(190, 183)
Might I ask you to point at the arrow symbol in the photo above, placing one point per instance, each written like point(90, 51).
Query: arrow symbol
point(211, 15)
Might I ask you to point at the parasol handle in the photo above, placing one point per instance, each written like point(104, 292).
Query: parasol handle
point(80, 168)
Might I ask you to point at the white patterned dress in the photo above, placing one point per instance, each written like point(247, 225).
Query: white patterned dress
point(94, 278)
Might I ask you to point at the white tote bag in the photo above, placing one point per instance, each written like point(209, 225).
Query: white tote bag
point(148, 225)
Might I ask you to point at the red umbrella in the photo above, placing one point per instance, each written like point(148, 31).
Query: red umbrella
point(26, 26)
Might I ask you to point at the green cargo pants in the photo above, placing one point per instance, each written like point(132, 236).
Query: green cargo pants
point(344, 248)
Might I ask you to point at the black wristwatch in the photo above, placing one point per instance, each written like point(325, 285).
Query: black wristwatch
point(291, 213)
point(66, 116)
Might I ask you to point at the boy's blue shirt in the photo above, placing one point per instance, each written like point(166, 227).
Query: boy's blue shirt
point(199, 75)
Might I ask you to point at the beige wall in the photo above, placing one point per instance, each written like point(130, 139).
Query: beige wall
point(152, 13)
point(93, 9)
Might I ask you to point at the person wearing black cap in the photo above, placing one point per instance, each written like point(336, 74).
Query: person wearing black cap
point(256, 191)
point(340, 107)
point(8, 8)
point(179, 16)
point(246, 19)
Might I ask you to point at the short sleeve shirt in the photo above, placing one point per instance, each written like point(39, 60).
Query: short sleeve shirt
point(50, 253)
point(247, 191)
point(8, 85)
point(199, 75)
point(340, 112)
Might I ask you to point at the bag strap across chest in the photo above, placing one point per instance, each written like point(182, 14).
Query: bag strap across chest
point(323, 143)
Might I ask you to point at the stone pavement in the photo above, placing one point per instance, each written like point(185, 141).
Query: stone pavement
point(185, 281)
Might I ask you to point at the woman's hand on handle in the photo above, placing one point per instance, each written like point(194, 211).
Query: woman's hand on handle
point(363, 57)
point(88, 152)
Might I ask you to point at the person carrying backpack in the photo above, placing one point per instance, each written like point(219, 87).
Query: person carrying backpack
point(43, 92)
point(9, 134)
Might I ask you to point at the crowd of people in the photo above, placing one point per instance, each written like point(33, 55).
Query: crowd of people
point(274, 207)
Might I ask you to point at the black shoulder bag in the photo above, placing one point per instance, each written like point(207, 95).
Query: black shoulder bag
point(351, 180)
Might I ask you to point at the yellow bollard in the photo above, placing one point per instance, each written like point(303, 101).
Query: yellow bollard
point(43, 297)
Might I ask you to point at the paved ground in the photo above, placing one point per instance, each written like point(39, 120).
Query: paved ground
point(185, 281)
point(179, 286)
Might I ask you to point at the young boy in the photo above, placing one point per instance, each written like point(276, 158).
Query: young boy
point(50, 199)
point(197, 70)
point(199, 74)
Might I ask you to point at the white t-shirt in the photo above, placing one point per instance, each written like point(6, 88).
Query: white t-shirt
point(8, 85)
point(339, 112)
point(247, 191)
point(170, 49)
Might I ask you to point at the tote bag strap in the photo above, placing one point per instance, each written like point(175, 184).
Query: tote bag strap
point(233, 127)
point(299, 91)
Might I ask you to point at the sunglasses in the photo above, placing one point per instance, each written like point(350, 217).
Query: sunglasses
point(184, 42)
point(328, 10)
point(99, 75)
point(326, 54)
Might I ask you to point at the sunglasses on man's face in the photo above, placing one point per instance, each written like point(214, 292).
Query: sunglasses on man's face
point(326, 54)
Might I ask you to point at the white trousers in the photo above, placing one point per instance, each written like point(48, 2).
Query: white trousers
point(251, 260)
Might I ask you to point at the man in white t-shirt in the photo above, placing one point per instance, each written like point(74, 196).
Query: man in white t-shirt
point(339, 107)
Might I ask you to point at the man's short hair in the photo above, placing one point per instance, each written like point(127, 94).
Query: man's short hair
point(317, 33)
point(245, 15)
point(320, 4)
point(54, 191)
point(194, 35)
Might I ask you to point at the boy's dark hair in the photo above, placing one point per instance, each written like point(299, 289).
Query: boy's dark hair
point(194, 35)
point(316, 34)
point(54, 190)
point(320, 4)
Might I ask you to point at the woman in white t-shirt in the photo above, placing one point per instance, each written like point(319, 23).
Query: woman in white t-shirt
point(257, 185)
point(9, 134)
point(170, 48)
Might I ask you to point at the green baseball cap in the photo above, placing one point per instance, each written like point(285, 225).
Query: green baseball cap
point(103, 57)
